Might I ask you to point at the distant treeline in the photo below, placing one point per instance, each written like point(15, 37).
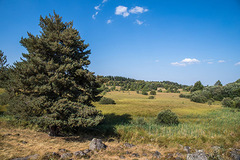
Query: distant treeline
point(110, 83)
point(228, 94)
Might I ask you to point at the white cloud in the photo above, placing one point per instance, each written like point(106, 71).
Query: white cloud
point(186, 61)
point(138, 9)
point(122, 10)
point(109, 21)
point(94, 16)
point(139, 22)
point(237, 64)
point(221, 61)
point(97, 7)
point(178, 64)
point(190, 61)
point(210, 62)
point(104, 1)
point(157, 61)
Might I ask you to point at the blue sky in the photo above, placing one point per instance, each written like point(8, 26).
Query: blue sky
point(181, 41)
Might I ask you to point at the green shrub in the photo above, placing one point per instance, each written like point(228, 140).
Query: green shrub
point(153, 93)
point(151, 97)
point(105, 100)
point(167, 117)
point(198, 97)
point(210, 101)
point(227, 102)
point(159, 90)
point(185, 95)
point(144, 93)
point(237, 102)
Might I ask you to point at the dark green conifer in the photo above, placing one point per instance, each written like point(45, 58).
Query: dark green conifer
point(54, 88)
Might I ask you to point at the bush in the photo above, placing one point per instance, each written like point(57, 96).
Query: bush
point(159, 90)
point(167, 117)
point(144, 93)
point(105, 100)
point(185, 95)
point(210, 101)
point(237, 102)
point(227, 102)
point(153, 93)
point(198, 97)
point(151, 97)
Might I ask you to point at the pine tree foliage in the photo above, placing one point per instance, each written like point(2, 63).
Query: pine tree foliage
point(53, 85)
point(3, 69)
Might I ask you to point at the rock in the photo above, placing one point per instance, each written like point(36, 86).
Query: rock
point(144, 154)
point(33, 157)
point(51, 155)
point(135, 155)
point(216, 148)
point(66, 155)
point(235, 154)
point(178, 158)
point(81, 154)
point(87, 151)
point(63, 150)
point(128, 145)
point(198, 155)
point(127, 152)
point(169, 156)
point(187, 149)
point(157, 154)
point(122, 157)
point(96, 145)
point(23, 142)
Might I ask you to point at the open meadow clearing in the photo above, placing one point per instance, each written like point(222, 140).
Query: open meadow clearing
point(201, 125)
point(131, 119)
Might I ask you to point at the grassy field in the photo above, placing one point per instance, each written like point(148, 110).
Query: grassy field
point(201, 125)
point(131, 119)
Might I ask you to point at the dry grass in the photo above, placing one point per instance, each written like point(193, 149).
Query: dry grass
point(17, 142)
point(139, 105)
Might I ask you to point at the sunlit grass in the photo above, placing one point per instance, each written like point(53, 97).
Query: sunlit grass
point(139, 105)
point(201, 124)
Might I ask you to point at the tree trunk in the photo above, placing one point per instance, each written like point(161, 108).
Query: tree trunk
point(53, 131)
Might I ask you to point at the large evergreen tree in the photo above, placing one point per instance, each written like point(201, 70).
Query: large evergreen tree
point(53, 86)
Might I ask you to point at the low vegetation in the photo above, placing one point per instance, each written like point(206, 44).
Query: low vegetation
point(167, 117)
point(105, 100)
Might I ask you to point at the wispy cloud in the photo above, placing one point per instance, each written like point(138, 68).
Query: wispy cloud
point(237, 64)
point(122, 10)
point(190, 61)
point(178, 64)
point(221, 61)
point(210, 62)
point(137, 10)
point(109, 21)
point(185, 62)
point(139, 22)
point(97, 8)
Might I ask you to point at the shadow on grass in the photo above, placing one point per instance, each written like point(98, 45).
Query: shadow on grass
point(104, 130)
